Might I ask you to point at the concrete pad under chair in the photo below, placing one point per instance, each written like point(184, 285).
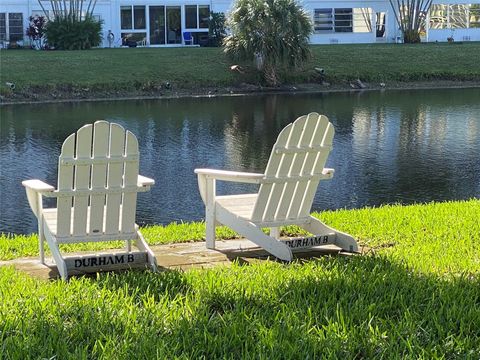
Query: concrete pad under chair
point(181, 256)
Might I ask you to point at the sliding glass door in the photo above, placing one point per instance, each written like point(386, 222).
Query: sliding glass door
point(174, 25)
point(157, 25)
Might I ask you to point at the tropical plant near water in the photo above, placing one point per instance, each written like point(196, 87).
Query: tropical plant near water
point(73, 26)
point(411, 16)
point(275, 32)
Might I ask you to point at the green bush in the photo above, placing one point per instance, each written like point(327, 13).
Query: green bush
point(73, 34)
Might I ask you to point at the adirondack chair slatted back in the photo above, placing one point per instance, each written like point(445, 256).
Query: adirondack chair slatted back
point(97, 173)
point(294, 170)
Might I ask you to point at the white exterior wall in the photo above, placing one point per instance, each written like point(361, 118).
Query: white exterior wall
point(109, 12)
point(16, 6)
point(349, 37)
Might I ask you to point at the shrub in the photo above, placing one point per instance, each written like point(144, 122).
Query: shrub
point(216, 28)
point(67, 33)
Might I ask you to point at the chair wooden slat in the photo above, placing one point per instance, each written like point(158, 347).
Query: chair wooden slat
point(130, 179)
point(276, 193)
point(319, 165)
point(101, 133)
point(290, 196)
point(114, 179)
point(318, 132)
point(65, 182)
point(270, 172)
point(82, 180)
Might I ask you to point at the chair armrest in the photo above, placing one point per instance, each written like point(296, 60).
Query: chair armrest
point(236, 176)
point(35, 189)
point(144, 181)
point(38, 186)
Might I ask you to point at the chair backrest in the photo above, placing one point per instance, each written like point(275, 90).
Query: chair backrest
point(187, 36)
point(97, 181)
point(294, 170)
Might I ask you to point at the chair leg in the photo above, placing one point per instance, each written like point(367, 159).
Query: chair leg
point(254, 234)
point(275, 232)
point(41, 240)
point(210, 214)
point(210, 231)
point(143, 246)
point(57, 256)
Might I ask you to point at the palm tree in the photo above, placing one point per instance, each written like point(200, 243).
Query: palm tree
point(275, 32)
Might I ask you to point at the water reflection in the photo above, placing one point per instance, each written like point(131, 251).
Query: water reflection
point(389, 147)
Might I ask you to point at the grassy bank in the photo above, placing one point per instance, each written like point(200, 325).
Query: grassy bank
point(145, 71)
point(415, 297)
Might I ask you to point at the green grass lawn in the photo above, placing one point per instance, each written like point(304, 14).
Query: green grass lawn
point(416, 296)
point(144, 69)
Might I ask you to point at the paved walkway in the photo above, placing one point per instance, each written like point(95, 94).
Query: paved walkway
point(182, 256)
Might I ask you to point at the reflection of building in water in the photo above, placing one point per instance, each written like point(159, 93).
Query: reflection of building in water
point(414, 149)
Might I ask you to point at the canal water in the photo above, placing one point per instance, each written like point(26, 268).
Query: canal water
point(389, 147)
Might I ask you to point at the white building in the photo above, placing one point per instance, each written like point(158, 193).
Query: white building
point(163, 22)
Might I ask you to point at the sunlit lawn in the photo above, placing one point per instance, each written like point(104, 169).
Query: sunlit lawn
point(148, 68)
point(415, 295)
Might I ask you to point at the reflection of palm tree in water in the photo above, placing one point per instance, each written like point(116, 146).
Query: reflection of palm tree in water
point(253, 130)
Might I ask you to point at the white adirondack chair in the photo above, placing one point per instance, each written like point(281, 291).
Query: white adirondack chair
point(286, 193)
point(96, 197)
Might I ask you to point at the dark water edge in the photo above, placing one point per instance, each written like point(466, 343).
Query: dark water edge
point(390, 147)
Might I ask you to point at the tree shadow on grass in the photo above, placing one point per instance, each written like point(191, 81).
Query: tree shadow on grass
point(364, 307)
point(332, 307)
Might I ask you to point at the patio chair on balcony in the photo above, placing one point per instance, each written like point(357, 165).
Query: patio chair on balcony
point(96, 200)
point(187, 38)
point(285, 196)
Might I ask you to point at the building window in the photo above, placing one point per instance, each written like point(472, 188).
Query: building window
point(125, 17)
point(15, 26)
point(457, 16)
point(134, 39)
point(343, 20)
point(323, 20)
point(340, 20)
point(135, 19)
point(438, 16)
point(474, 20)
point(203, 16)
point(139, 17)
point(197, 17)
point(191, 16)
point(380, 25)
point(3, 27)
